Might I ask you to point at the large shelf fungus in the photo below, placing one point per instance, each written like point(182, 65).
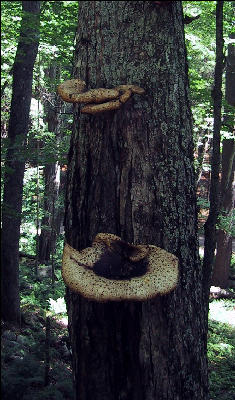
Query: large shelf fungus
point(114, 270)
point(96, 100)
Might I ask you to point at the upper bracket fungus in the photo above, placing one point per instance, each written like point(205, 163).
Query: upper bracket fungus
point(98, 100)
point(114, 270)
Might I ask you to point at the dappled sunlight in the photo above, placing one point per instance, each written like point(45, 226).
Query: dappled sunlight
point(219, 311)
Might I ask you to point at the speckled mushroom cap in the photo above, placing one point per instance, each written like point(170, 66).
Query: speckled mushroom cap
point(97, 100)
point(160, 278)
point(68, 89)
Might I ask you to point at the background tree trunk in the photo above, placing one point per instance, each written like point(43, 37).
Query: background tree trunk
point(14, 164)
point(201, 155)
point(210, 225)
point(49, 231)
point(230, 67)
point(48, 235)
point(220, 275)
point(131, 173)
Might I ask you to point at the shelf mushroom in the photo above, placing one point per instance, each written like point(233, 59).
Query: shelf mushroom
point(96, 100)
point(114, 270)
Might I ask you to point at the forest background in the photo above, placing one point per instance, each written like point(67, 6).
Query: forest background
point(36, 357)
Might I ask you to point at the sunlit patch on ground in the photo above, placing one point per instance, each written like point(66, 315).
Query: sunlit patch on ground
point(219, 311)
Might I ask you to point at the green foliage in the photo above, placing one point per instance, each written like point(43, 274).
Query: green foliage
point(40, 292)
point(233, 261)
point(58, 25)
point(227, 223)
point(22, 374)
point(10, 23)
point(58, 22)
point(31, 186)
point(203, 203)
point(42, 146)
point(221, 345)
point(36, 293)
point(50, 148)
point(24, 380)
point(33, 191)
point(23, 366)
point(200, 41)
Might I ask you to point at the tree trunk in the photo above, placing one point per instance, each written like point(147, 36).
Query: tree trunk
point(202, 151)
point(130, 172)
point(230, 81)
point(224, 238)
point(48, 235)
point(220, 275)
point(210, 225)
point(14, 164)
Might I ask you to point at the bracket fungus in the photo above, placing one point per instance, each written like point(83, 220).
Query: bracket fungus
point(114, 270)
point(96, 100)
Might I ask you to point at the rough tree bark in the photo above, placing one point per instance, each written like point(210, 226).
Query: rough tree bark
point(14, 164)
point(130, 172)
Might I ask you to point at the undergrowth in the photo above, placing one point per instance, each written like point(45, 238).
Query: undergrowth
point(24, 350)
point(221, 358)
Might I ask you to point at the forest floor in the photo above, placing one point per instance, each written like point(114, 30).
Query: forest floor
point(25, 375)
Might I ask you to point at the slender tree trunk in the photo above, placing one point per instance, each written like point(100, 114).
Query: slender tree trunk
point(47, 352)
point(220, 275)
point(14, 165)
point(131, 173)
point(230, 70)
point(48, 233)
point(210, 225)
point(201, 155)
point(224, 239)
point(52, 177)
point(38, 208)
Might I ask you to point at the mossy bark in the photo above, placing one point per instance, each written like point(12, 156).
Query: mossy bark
point(131, 173)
